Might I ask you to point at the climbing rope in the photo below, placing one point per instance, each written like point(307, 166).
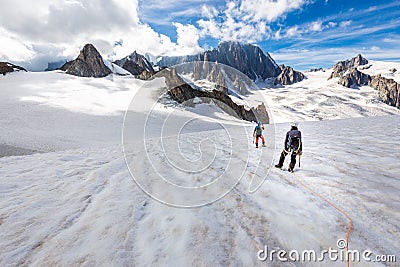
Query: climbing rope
point(336, 208)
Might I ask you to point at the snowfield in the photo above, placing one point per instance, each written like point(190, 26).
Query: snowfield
point(317, 98)
point(76, 203)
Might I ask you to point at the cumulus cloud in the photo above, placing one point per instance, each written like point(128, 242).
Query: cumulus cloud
point(269, 10)
point(277, 35)
point(188, 38)
point(316, 26)
point(36, 32)
point(293, 31)
point(246, 20)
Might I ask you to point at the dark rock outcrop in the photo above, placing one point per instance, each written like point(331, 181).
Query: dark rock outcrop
point(182, 92)
point(288, 76)
point(354, 78)
point(342, 66)
point(136, 64)
point(89, 63)
point(317, 69)
point(6, 67)
point(145, 75)
point(389, 90)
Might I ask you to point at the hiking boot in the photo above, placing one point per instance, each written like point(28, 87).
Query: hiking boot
point(256, 146)
point(278, 166)
point(263, 145)
point(290, 170)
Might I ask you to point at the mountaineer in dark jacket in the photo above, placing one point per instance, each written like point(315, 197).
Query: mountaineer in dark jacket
point(293, 145)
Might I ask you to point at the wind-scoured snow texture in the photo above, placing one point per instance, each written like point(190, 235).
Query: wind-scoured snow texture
point(78, 205)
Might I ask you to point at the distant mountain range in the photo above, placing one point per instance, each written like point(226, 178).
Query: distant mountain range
point(246, 58)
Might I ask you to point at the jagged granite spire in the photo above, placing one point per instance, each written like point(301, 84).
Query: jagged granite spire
point(89, 63)
point(136, 64)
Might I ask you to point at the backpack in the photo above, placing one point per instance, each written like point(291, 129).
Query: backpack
point(258, 130)
point(294, 139)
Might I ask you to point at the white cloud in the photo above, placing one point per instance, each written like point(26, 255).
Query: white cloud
point(332, 24)
point(293, 31)
point(245, 20)
point(13, 47)
point(316, 26)
point(269, 10)
point(277, 35)
point(391, 40)
point(188, 38)
point(375, 48)
point(36, 32)
point(345, 23)
point(209, 12)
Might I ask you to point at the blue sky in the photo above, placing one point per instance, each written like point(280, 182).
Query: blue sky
point(313, 33)
point(299, 33)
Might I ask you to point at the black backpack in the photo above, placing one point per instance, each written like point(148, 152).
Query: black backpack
point(294, 139)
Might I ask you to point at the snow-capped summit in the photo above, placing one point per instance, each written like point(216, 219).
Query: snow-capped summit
point(89, 63)
point(342, 66)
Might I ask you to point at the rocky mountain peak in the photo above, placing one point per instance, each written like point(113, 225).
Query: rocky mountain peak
point(89, 52)
point(89, 63)
point(288, 76)
point(342, 66)
point(248, 59)
point(354, 78)
point(358, 61)
point(136, 64)
point(6, 67)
